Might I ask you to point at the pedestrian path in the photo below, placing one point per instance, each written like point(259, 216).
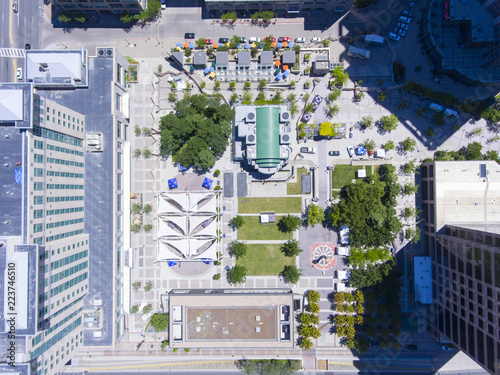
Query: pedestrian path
point(12, 52)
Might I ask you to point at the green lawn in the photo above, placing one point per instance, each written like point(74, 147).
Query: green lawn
point(254, 230)
point(258, 205)
point(343, 174)
point(263, 260)
point(295, 188)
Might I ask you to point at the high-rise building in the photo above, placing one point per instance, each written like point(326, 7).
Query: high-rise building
point(44, 248)
point(461, 206)
point(100, 6)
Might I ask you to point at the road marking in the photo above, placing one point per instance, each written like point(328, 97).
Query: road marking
point(154, 365)
point(12, 52)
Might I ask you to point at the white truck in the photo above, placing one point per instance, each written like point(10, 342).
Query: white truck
point(375, 39)
point(358, 52)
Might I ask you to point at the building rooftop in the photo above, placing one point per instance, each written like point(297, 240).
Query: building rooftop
point(481, 21)
point(288, 57)
point(57, 67)
point(422, 277)
point(222, 58)
point(244, 57)
point(268, 133)
point(16, 104)
point(266, 58)
point(199, 58)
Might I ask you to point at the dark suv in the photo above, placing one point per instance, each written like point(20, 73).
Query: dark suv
point(223, 40)
point(189, 36)
point(334, 153)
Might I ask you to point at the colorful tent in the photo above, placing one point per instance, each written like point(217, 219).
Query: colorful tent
point(280, 45)
point(290, 44)
point(273, 44)
point(179, 44)
point(191, 45)
point(212, 75)
point(360, 150)
point(207, 183)
point(170, 264)
point(216, 45)
point(185, 45)
point(277, 63)
point(247, 45)
point(286, 73)
point(279, 76)
point(178, 48)
point(206, 71)
point(285, 44)
point(172, 183)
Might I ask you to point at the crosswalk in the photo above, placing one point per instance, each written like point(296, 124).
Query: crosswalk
point(12, 52)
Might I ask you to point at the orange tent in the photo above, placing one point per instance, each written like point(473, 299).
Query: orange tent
point(216, 45)
point(277, 63)
point(285, 44)
point(185, 45)
point(273, 44)
point(285, 67)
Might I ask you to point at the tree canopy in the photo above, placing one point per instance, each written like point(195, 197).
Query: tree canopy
point(197, 132)
point(315, 214)
point(237, 274)
point(291, 248)
point(289, 223)
point(389, 123)
point(237, 222)
point(291, 274)
point(159, 322)
point(268, 366)
point(327, 129)
point(238, 249)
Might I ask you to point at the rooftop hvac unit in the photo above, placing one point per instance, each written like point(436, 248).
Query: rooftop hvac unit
point(285, 138)
point(250, 139)
point(109, 52)
point(101, 52)
point(285, 116)
point(251, 116)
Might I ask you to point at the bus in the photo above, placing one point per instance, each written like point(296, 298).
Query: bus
point(374, 39)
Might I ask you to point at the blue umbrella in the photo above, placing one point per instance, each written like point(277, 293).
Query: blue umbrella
point(191, 45)
point(286, 73)
point(207, 183)
point(182, 168)
point(170, 264)
point(206, 261)
point(261, 45)
point(172, 183)
point(279, 76)
point(247, 45)
point(280, 44)
point(179, 45)
point(18, 176)
point(206, 71)
point(211, 69)
point(239, 46)
point(290, 44)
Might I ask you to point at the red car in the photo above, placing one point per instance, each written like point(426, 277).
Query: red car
point(284, 39)
point(273, 39)
point(208, 41)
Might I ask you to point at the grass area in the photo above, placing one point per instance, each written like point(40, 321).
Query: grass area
point(254, 230)
point(295, 188)
point(264, 259)
point(258, 205)
point(335, 194)
point(343, 174)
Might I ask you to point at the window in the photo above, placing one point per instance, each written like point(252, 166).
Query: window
point(37, 199)
point(37, 228)
point(38, 172)
point(118, 104)
point(38, 186)
point(38, 144)
point(118, 129)
point(38, 158)
point(118, 73)
point(37, 214)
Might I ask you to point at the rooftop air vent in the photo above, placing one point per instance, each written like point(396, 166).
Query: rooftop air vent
point(284, 138)
point(250, 139)
point(285, 116)
point(251, 117)
point(101, 52)
point(109, 52)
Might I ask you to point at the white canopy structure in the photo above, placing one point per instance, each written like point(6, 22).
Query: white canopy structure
point(187, 226)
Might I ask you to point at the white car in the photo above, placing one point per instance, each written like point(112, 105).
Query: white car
point(407, 13)
point(405, 19)
point(400, 32)
point(300, 40)
point(163, 4)
point(254, 39)
point(403, 26)
point(19, 73)
point(315, 39)
point(395, 37)
point(350, 150)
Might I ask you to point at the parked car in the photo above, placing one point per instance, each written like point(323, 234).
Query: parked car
point(407, 13)
point(412, 3)
point(273, 39)
point(405, 19)
point(307, 150)
point(315, 39)
point(163, 4)
point(285, 39)
point(223, 40)
point(189, 36)
point(14, 7)
point(334, 153)
point(19, 73)
point(254, 39)
point(403, 26)
point(350, 150)
point(437, 80)
point(395, 37)
point(243, 39)
point(400, 32)
point(209, 41)
point(300, 40)
point(447, 347)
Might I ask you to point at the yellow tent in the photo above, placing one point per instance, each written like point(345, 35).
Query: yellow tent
point(212, 75)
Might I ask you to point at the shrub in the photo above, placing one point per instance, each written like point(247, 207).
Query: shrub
point(237, 221)
point(217, 276)
point(159, 322)
point(134, 309)
point(147, 309)
point(136, 285)
point(148, 227)
point(148, 286)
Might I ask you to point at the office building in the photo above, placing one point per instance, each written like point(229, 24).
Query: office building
point(42, 229)
point(100, 6)
point(461, 206)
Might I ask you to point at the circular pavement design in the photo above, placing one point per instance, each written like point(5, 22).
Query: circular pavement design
point(323, 256)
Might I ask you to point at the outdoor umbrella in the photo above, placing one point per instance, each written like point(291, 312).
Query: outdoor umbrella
point(247, 45)
point(191, 45)
point(172, 183)
point(286, 73)
point(280, 45)
point(185, 45)
point(279, 76)
point(206, 71)
point(179, 44)
point(207, 183)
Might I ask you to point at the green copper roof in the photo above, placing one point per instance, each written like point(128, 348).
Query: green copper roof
point(268, 137)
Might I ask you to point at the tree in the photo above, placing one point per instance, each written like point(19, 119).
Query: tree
point(237, 274)
point(413, 234)
point(136, 208)
point(147, 208)
point(148, 227)
point(473, 151)
point(148, 286)
point(152, 10)
point(382, 96)
point(315, 215)
point(63, 18)
point(334, 94)
point(333, 215)
point(307, 319)
point(409, 144)
point(411, 188)
point(291, 248)
point(367, 122)
point(147, 309)
point(238, 249)
point(136, 286)
point(439, 119)
point(134, 309)
point(327, 129)
point(333, 110)
point(237, 222)
point(291, 274)
point(310, 331)
point(146, 152)
point(341, 77)
point(389, 123)
point(389, 145)
point(137, 152)
point(159, 322)
point(369, 144)
point(305, 343)
point(229, 16)
point(289, 223)
point(201, 43)
point(137, 130)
